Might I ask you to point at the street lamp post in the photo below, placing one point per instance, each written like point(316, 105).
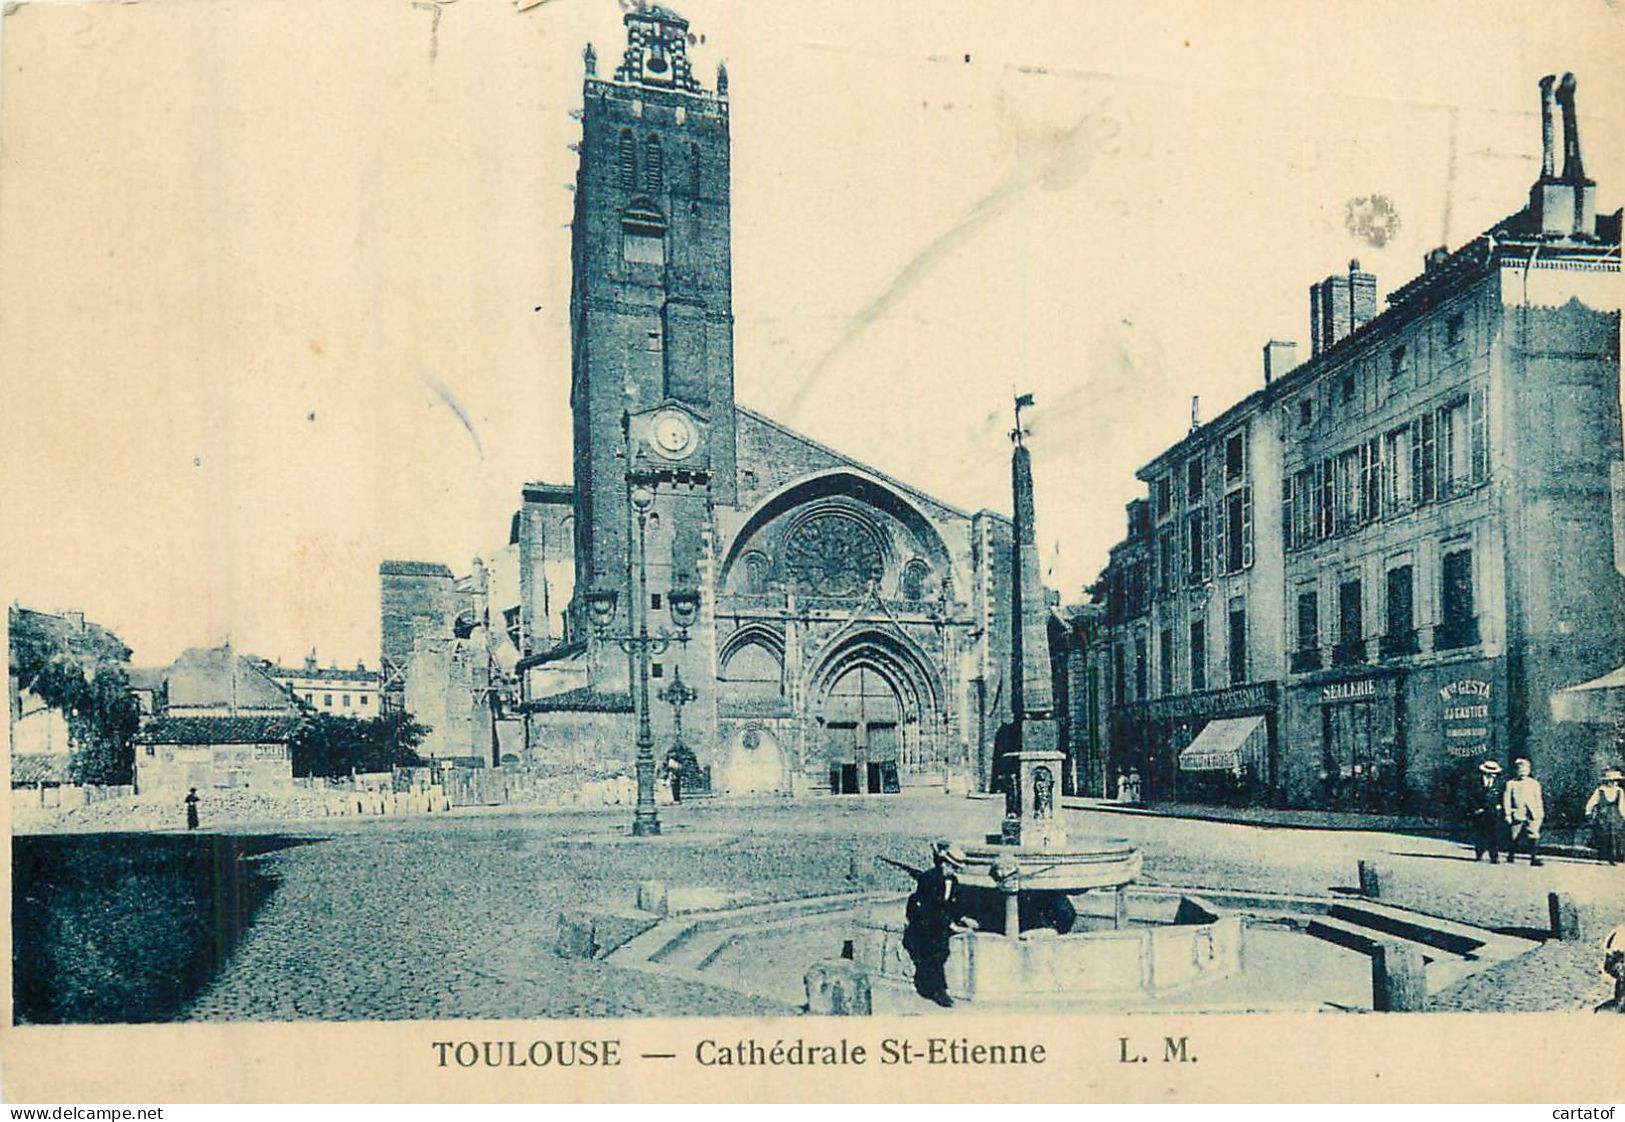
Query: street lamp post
point(684, 605)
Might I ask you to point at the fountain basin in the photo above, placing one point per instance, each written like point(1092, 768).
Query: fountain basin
point(1081, 865)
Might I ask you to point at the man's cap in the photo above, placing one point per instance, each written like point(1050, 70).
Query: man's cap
point(1490, 767)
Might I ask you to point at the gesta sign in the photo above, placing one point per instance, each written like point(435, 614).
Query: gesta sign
point(1466, 714)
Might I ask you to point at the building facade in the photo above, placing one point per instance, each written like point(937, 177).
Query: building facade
point(334, 690)
point(852, 631)
point(219, 720)
point(1429, 552)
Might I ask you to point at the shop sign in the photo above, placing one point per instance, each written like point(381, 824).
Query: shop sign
point(1362, 689)
point(1466, 713)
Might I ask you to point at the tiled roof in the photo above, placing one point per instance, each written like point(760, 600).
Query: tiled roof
point(34, 768)
point(582, 700)
point(329, 673)
point(412, 569)
point(218, 730)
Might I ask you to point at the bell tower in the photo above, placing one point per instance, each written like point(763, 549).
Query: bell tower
point(651, 303)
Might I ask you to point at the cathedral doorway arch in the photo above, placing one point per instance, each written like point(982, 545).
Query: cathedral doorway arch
point(878, 715)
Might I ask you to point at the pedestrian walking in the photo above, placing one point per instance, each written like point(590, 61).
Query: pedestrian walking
point(1484, 814)
point(191, 809)
point(1524, 810)
point(674, 772)
point(1605, 810)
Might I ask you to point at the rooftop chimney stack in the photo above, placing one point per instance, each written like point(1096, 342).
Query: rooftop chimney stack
point(1339, 306)
point(1280, 358)
point(1563, 206)
point(1196, 412)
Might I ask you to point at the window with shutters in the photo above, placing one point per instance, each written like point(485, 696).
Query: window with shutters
point(1141, 684)
point(1397, 477)
point(1198, 656)
point(1194, 481)
point(1238, 641)
point(1235, 457)
point(1305, 503)
point(1196, 558)
point(1238, 523)
point(1167, 561)
point(1349, 491)
point(1480, 438)
point(1165, 658)
point(1306, 656)
point(1454, 449)
point(1399, 637)
point(1327, 520)
point(653, 166)
point(1422, 460)
point(1458, 624)
point(629, 161)
point(1371, 468)
point(1350, 647)
point(1164, 491)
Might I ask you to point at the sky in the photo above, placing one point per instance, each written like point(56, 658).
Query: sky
point(284, 283)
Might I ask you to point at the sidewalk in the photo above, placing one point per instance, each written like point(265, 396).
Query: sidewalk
point(1283, 818)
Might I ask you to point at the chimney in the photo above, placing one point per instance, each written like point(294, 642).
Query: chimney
point(310, 661)
point(1563, 205)
point(1435, 257)
point(1280, 357)
point(1339, 306)
point(1196, 412)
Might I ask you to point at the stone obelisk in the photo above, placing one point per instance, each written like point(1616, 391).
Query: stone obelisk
point(1033, 778)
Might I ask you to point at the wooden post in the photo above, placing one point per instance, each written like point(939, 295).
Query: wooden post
point(1398, 978)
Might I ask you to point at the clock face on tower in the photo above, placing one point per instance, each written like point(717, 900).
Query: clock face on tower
point(673, 435)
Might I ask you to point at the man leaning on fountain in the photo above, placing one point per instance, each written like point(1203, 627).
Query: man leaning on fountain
point(933, 913)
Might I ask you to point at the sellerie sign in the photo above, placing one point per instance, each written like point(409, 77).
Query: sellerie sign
point(1466, 716)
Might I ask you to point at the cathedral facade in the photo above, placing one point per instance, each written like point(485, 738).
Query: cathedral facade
point(853, 633)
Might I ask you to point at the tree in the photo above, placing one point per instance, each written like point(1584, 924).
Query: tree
point(333, 746)
point(86, 682)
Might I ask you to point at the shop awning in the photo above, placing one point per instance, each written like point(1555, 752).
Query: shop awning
point(1600, 701)
point(1225, 745)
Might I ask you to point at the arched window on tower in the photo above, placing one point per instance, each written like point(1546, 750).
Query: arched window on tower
point(653, 173)
point(629, 160)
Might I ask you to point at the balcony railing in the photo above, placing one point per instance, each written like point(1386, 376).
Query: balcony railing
point(1306, 659)
point(1399, 644)
point(1453, 634)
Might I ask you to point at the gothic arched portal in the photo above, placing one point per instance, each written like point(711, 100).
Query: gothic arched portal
point(879, 717)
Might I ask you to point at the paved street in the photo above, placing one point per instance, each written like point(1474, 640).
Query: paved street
point(456, 916)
